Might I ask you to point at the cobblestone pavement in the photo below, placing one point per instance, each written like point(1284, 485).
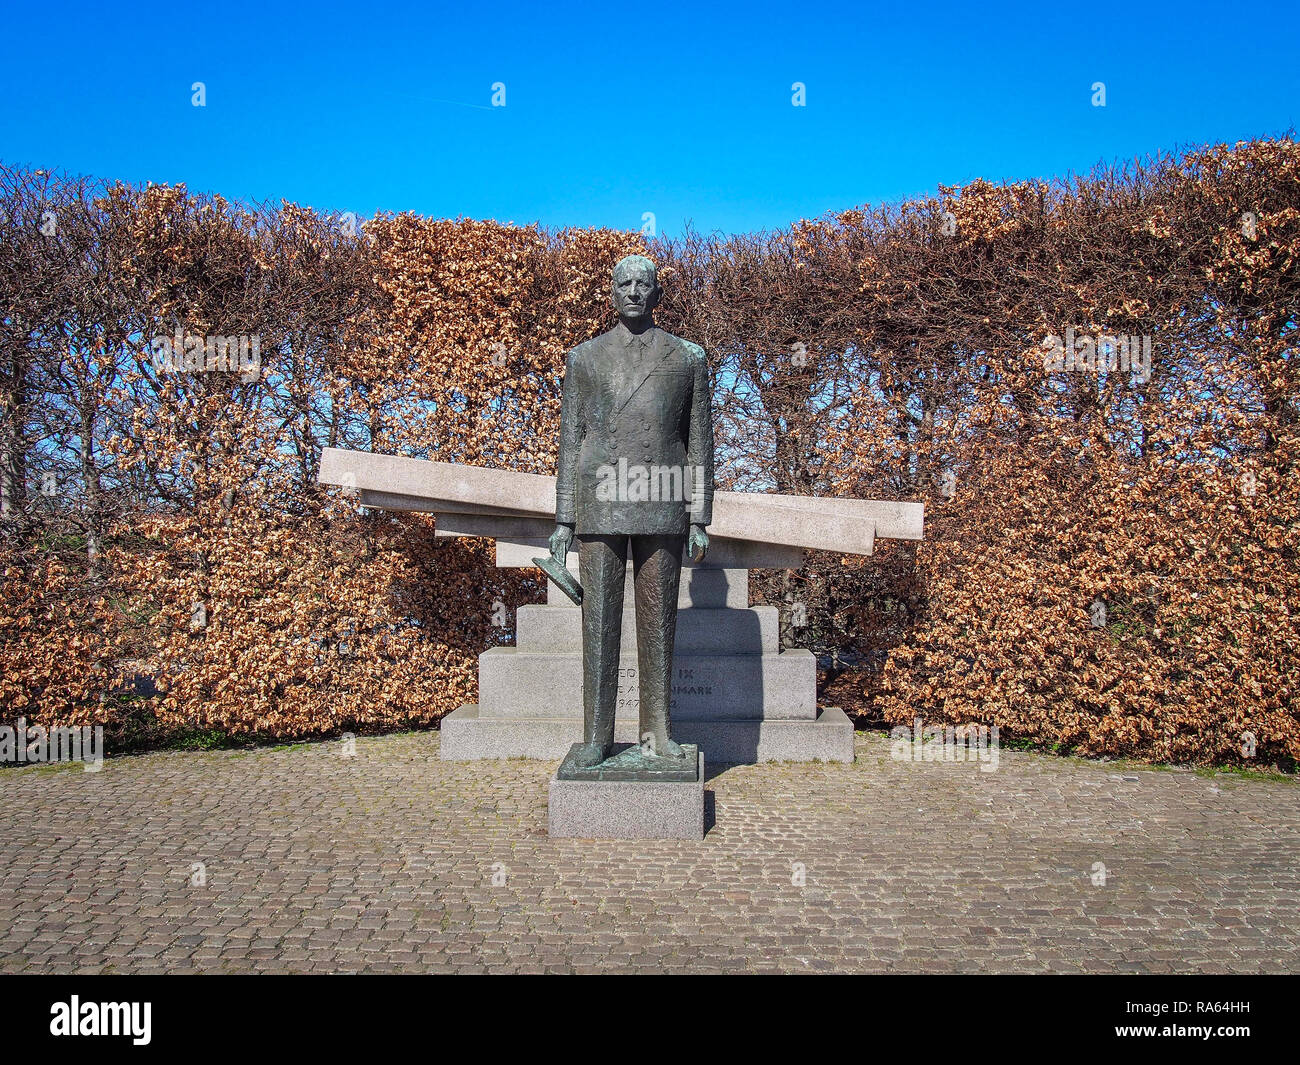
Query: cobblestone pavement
point(386, 862)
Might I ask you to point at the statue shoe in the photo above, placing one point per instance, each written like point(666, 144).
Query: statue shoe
point(672, 749)
point(590, 754)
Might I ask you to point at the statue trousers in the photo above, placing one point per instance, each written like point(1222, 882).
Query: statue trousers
point(656, 574)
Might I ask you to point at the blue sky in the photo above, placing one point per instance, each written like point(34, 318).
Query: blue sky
point(613, 110)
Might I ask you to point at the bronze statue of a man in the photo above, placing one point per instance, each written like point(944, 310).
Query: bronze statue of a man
point(635, 473)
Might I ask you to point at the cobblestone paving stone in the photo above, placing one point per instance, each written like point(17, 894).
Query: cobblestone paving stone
point(385, 863)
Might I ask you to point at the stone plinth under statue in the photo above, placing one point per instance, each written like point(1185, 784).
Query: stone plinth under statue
point(739, 696)
point(628, 796)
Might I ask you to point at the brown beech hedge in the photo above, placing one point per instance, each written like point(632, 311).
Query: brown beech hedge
point(1093, 384)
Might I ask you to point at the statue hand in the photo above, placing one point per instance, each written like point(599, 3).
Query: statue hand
point(697, 544)
point(560, 541)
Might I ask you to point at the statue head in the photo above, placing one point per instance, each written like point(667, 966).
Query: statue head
point(635, 290)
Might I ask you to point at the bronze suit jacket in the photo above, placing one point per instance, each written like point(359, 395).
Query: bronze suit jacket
point(630, 404)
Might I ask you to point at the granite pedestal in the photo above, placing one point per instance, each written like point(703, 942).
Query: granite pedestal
point(736, 694)
point(624, 800)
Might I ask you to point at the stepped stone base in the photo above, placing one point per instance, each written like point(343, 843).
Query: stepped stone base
point(735, 694)
point(466, 736)
point(519, 684)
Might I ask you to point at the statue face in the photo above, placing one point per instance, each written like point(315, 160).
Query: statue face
point(635, 293)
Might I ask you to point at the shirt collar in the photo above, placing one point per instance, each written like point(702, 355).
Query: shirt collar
point(627, 338)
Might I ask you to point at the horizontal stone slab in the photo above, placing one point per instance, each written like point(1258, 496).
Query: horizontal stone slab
point(847, 526)
point(752, 631)
point(417, 505)
point(722, 554)
point(495, 526)
point(514, 683)
point(627, 809)
point(467, 736)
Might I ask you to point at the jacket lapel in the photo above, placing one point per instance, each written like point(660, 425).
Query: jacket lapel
point(655, 357)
